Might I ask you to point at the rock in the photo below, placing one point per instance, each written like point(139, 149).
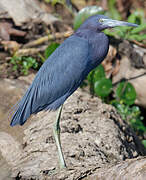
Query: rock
point(26, 11)
point(135, 54)
point(134, 76)
point(133, 68)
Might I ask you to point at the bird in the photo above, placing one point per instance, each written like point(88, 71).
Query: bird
point(64, 71)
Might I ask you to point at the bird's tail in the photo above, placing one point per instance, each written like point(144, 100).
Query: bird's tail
point(23, 111)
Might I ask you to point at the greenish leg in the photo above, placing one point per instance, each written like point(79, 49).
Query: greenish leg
point(56, 131)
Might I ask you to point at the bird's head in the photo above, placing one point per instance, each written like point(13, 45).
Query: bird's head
point(101, 22)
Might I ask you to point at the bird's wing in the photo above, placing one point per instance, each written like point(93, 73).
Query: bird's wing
point(58, 78)
point(61, 74)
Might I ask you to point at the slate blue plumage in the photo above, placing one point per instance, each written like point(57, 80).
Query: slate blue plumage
point(63, 72)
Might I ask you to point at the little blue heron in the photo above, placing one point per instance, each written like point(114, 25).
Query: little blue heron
point(63, 72)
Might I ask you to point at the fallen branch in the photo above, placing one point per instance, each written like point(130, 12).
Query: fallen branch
point(139, 44)
point(47, 38)
point(30, 51)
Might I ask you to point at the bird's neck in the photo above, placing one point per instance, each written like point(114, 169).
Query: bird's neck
point(86, 34)
point(98, 44)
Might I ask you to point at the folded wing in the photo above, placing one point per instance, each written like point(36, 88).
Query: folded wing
point(60, 75)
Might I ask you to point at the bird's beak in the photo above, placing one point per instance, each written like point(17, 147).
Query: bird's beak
point(113, 23)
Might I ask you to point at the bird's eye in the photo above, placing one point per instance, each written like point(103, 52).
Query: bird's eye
point(100, 20)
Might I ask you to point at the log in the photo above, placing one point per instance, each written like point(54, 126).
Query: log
point(93, 135)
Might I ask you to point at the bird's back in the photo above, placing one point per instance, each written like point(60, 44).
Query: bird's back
point(58, 78)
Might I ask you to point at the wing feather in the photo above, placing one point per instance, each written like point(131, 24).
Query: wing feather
point(58, 78)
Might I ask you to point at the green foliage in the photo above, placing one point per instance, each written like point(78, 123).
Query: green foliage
point(126, 93)
point(94, 76)
point(127, 32)
point(132, 115)
point(103, 87)
point(98, 73)
point(113, 11)
point(23, 64)
point(137, 17)
point(50, 49)
point(144, 143)
point(124, 32)
point(53, 2)
point(122, 98)
point(84, 13)
point(99, 84)
point(64, 3)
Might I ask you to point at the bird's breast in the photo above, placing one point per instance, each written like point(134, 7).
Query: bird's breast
point(99, 46)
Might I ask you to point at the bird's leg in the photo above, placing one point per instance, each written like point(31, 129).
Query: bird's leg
point(56, 131)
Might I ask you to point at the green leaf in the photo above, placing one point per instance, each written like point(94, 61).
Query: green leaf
point(138, 29)
point(86, 12)
point(24, 71)
point(137, 17)
point(144, 143)
point(35, 65)
point(113, 10)
point(99, 73)
point(132, 18)
point(90, 77)
point(13, 61)
point(137, 37)
point(25, 64)
point(18, 60)
point(50, 49)
point(53, 2)
point(109, 32)
point(95, 75)
point(120, 31)
point(126, 92)
point(91, 81)
point(15, 67)
point(103, 87)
